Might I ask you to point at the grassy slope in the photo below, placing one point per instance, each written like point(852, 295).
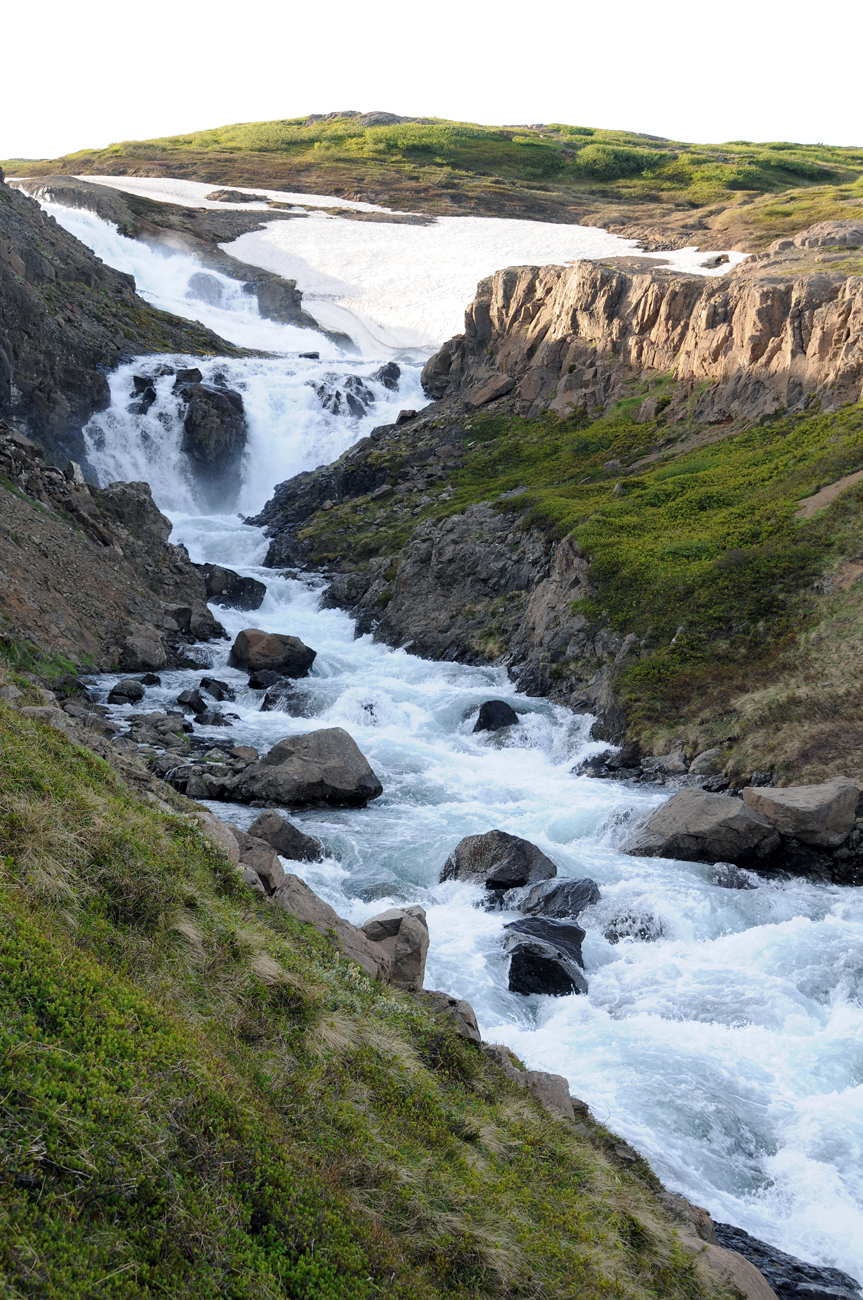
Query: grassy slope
point(704, 539)
point(199, 1099)
point(741, 193)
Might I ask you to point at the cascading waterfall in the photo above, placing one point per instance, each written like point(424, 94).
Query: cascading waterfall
point(723, 1039)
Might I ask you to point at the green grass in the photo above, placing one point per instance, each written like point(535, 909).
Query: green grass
point(199, 1099)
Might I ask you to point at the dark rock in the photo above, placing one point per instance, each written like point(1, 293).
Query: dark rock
point(727, 876)
point(219, 690)
point(228, 589)
point(286, 839)
point(388, 375)
point(256, 650)
point(192, 702)
point(151, 679)
point(345, 394)
point(211, 718)
point(310, 356)
point(546, 957)
point(69, 687)
point(321, 767)
point(145, 394)
point(404, 416)
point(214, 430)
point(498, 860)
point(560, 899)
point(263, 679)
point(791, 1279)
point(283, 698)
point(126, 691)
point(191, 375)
point(695, 826)
point(628, 756)
point(495, 714)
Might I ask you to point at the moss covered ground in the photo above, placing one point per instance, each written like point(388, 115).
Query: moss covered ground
point(200, 1099)
point(694, 546)
point(745, 192)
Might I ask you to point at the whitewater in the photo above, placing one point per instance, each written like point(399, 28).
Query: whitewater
point(728, 1047)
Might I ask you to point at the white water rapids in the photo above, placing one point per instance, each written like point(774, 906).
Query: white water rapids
point(729, 1048)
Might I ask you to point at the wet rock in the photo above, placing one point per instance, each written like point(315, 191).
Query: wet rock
point(283, 699)
point(643, 926)
point(695, 826)
point(126, 691)
point(344, 395)
point(151, 679)
point(388, 375)
point(228, 589)
point(190, 375)
point(219, 690)
point(212, 718)
point(813, 814)
point(560, 899)
point(320, 768)
point(790, 1278)
point(495, 714)
point(455, 1010)
point(214, 429)
point(402, 933)
point(286, 839)
point(257, 650)
point(192, 702)
point(498, 860)
point(727, 876)
point(265, 678)
point(295, 896)
point(545, 957)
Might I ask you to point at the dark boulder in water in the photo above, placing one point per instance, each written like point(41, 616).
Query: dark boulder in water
point(498, 861)
point(256, 650)
point(545, 957)
point(192, 702)
point(791, 1279)
point(495, 714)
point(219, 690)
point(214, 429)
point(126, 691)
point(559, 899)
point(388, 375)
point(323, 767)
point(228, 589)
point(285, 838)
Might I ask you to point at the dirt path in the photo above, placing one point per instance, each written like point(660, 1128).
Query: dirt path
point(811, 505)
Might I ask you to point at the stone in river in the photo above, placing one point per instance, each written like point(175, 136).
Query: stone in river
point(545, 957)
point(695, 826)
point(403, 934)
point(495, 714)
point(498, 861)
point(126, 691)
point(192, 702)
point(559, 899)
point(256, 650)
point(814, 814)
point(322, 767)
point(285, 838)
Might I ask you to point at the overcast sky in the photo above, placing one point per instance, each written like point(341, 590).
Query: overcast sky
point(83, 75)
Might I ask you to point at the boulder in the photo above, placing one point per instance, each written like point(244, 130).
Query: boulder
point(498, 860)
point(142, 651)
point(552, 1090)
point(814, 814)
point(264, 678)
point(388, 375)
point(560, 899)
point(212, 718)
point(320, 767)
point(695, 826)
point(546, 957)
point(264, 861)
point(495, 714)
point(126, 691)
point(705, 763)
point(218, 833)
point(458, 1012)
point(284, 698)
point(294, 896)
point(150, 679)
point(214, 430)
point(192, 702)
point(278, 832)
point(255, 650)
point(489, 390)
point(228, 589)
point(403, 934)
point(219, 690)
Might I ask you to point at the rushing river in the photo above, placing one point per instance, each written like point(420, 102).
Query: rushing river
point(728, 1046)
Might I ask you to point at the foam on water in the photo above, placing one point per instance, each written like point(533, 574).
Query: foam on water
point(728, 1048)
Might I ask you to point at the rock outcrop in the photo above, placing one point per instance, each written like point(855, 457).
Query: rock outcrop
point(498, 861)
point(295, 896)
point(790, 1278)
point(319, 768)
point(403, 934)
point(286, 839)
point(696, 826)
point(763, 337)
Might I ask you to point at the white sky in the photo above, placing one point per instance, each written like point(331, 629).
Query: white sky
point(83, 75)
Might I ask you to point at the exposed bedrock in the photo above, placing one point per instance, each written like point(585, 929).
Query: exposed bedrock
point(764, 337)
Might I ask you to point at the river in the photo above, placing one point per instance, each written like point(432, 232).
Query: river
point(727, 1046)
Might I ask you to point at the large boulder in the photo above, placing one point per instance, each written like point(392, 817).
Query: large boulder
point(494, 715)
point(559, 899)
point(814, 814)
point(699, 827)
point(255, 651)
point(295, 896)
point(320, 767)
point(546, 957)
point(214, 430)
point(228, 589)
point(278, 832)
point(498, 860)
point(403, 934)
point(126, 691)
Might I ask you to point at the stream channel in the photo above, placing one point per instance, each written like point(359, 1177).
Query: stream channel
point(724, 1037)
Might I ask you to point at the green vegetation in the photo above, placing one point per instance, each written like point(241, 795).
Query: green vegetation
point(199, 1099)
point(753, 191)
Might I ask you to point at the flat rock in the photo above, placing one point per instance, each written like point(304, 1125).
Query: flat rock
point(320, 767)
point(560, 899)
point(694, 826)
point(498, 860)
point(403, 934)
point(286, 839)
point(814, 814)
point(490, 389)
point(255, 650)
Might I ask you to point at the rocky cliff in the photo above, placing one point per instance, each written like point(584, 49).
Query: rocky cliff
point(66, 319)
point(780, 330)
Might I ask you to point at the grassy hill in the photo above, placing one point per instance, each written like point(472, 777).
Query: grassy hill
point(739, 192)
point(199, 1099)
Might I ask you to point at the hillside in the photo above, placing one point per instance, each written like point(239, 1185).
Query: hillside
point(738, 194)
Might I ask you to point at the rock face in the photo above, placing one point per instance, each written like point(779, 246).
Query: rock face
point(763, 337)
point(494, 715)
point(278, 832)
point(403, 935)
point(699, 827)
point(228, 589)
point(545, 957)
point(214, 428)
point(270, 651)
point(822, 815)
point(320, 768)
point(498, 860)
